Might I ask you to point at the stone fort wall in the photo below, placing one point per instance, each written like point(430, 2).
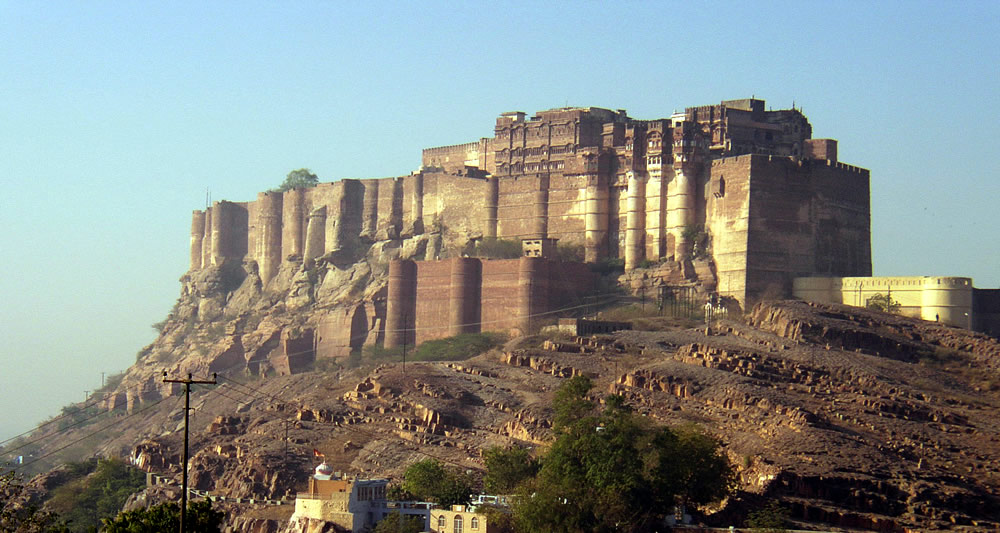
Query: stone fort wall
point(936, 298)
point(435, 299)
point(772, 203)
point(769, 219)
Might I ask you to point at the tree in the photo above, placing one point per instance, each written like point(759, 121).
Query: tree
point(769, 519)
point(396, 523)
point(201, 518)
point(429, 480)
point(884, 303)
point(301, 178)
point(506, 468)
point(101, 494)
point(609, 470)
point(21, 516)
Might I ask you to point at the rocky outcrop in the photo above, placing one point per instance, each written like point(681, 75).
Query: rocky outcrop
point(850, 418)
point(229, 322)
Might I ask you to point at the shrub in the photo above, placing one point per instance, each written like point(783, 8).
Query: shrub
point(459, 347)
point(98, 492)
point(884, 303)
point(493, 248)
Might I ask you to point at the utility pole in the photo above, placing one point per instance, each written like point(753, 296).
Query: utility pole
point(184, 458)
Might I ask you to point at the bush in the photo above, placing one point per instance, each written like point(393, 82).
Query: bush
point(98, 492)
point(396, 523)
point(201, 518)
point(459, 347)
point(493, 248)
point(770, 519)
point(570, 253)
point(608, 265)
point(429, 480)
point(884, 303)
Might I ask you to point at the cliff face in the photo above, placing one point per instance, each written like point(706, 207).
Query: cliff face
point(228, 320)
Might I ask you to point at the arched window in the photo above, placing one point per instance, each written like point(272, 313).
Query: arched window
point(458, 524)
point(442, 523)
point(474, 523)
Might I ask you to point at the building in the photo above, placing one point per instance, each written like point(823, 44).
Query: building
point(949, 300)
point(743, 193)
point(743, 185)
point(358, 504)
point(460, 519)
point(353, 504)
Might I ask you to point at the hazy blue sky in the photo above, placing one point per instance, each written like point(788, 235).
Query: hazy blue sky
point(116, 116)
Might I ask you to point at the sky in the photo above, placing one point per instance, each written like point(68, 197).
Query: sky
point(116, 118)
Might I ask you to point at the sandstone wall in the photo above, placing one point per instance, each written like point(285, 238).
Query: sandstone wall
point(471, 295)
point(938, 299)
point(725, 204)
point(805, 217)
point(567, 208)
point(454, 157)
point(769, 219)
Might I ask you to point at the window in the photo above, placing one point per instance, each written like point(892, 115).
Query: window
point(720, 189)
point(442, 523)
point(458, 524)
point(474, 523)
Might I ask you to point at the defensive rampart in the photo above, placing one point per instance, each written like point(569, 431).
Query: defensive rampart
point(943, 299)
point(732, 182)
point(435, 299)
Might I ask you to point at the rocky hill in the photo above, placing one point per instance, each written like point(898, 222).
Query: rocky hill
point(852, 418)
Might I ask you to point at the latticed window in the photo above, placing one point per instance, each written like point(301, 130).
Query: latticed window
point(442, 523)
point(474, 523)
point(458, 524)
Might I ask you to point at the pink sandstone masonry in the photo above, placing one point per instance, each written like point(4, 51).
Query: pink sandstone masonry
point(434, 299)
point(746, 187)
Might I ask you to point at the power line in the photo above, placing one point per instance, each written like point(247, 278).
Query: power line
point(60, 430)
point(187, 409)
point(227, 370)
point(91, 434)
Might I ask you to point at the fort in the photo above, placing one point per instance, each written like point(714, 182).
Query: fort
point(746, 188)
point(732, 198)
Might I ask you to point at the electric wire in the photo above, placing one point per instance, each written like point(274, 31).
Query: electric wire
point(226, 371)
point(95, 432)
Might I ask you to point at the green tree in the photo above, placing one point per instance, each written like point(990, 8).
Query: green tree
point(609, 470)
point(301, 178)
point(429, 480)
point(90, 498)
point(396, 523)
point(770, 519)
point(506, 468)
point(884, 303)
point(201, 518)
